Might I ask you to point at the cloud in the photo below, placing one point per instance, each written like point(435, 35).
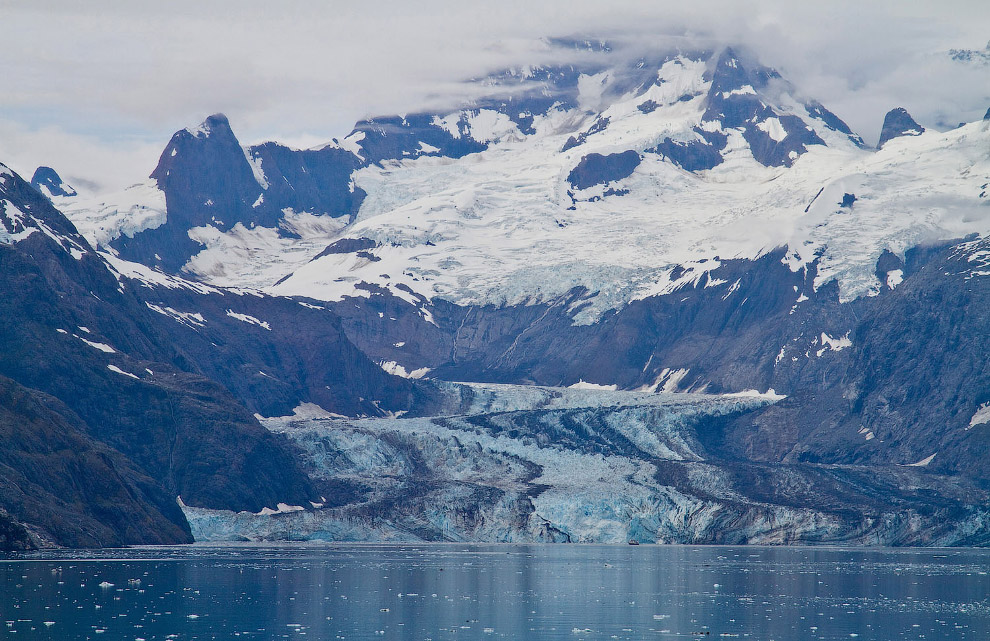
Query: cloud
point(119, 77)
point(83, 161)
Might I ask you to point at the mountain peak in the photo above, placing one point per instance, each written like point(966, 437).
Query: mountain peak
point(48, 182)
point(898, 122)
point(216, 123)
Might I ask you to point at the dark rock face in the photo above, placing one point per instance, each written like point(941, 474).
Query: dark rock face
point(317, 181)
point(129, 396)
point(733, 101)
point(596, 169)
point(394, 137)
point(898, 122)
point(49, 183)
point(347, 246)
point(648, 106)
point(70, 488)
point(600, 124)
point(727, 339)
point(13, 536)
point(696, 155)
point(299, 355)
point(209, 180)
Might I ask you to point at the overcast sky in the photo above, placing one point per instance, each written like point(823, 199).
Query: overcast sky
point(96, 88)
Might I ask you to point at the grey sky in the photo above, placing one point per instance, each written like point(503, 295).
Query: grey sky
point(96, 88)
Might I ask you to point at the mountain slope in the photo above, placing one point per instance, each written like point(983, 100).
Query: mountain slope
point(130, 400)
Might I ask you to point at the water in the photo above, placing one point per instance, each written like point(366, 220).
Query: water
point(447, 591)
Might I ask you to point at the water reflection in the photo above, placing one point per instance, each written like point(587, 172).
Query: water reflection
point(483, 592)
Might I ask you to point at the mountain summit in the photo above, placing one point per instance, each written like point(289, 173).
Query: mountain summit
point(48, 182)
point(898, 122)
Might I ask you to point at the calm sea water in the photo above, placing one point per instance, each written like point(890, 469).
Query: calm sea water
point(445, 591)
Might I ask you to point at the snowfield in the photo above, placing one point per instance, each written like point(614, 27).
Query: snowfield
point(496, 227)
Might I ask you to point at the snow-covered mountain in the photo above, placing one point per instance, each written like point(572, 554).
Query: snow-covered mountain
point(640, 226)
point(627, 181)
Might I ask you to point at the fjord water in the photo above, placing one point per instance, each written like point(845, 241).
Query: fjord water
point(454, 591)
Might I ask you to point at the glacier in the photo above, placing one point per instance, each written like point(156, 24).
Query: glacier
point(508, 463)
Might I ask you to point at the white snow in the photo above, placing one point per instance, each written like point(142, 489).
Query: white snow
point(669, 380)
point(923, 462)
point(256, 169)
point(498, 227)
point(281, 508)
point(895, 277)
point(352, 143)
point(773, 128)
point(585, 385)
point(243, 257)
point(103, 218)
point(152, 278)
point(189, 319)
point(17, 219)
point(489, 125)
point(103, 347)
point(770, 395)
point(981, 416)
point(834, 344)
point(487, 228)
point(398, 370)
point(114, 368)
point(249, 319)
